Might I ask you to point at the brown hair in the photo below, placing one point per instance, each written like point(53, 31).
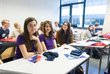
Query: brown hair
point(4, 21)
point(60, 35)
point(26, 33)
point(44, 24)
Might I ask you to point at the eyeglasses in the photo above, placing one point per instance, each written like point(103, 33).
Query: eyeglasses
point(6, 23)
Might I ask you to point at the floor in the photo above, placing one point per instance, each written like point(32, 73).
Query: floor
point(94, 63)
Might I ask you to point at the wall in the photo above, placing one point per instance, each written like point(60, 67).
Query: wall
point(106, 26)
point(18, 10)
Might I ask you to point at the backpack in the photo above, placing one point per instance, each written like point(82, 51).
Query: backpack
point(106, 35)
point(96, 53)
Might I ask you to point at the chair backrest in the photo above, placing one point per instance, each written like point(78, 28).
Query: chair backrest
point(8, 53)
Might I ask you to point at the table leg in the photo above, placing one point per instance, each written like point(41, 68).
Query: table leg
point(87, 66)
point(108, 55)
point(100, 61)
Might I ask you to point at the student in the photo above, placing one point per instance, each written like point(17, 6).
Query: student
point(47, 38)
point(89, 33)
point(28, 43)
point(18, 30)
point(4, 31)
point(64, 35)
point(56, 26)
point(96, 29)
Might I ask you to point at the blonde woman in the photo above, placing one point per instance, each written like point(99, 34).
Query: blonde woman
point(18, 30)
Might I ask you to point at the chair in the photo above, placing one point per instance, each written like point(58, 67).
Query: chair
point(1, 61)
point(8, 53)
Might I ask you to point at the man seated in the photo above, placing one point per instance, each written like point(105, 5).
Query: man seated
point(4, 31)
point(97, 29)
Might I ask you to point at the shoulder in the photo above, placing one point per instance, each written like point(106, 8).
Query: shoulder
point(20, 40)
point(20, 37)
point(87, 31)
point(41, 35)
point(1, 28)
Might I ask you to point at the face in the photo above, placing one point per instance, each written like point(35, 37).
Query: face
point(65, 26)
point(91, 27)
point(6, 24)
point(56, 23)
point(17, 25)
point(32, 27)
point(47, 28)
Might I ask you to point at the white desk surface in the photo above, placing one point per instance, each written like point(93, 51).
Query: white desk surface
point(60, 65)
point(84, 43)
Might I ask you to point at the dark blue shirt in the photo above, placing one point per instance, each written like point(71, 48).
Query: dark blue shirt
point(96, 30)
point(3, 33)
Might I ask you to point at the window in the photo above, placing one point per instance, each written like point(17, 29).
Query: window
point(81, 13)
point(95, 12)
point(65, 14)
point(77, 15)
point(70, 1)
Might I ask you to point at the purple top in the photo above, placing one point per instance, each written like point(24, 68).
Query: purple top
point(20, 41)
point(49, 41)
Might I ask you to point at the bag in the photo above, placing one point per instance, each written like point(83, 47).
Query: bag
point(78, 70)
point(99, 44)
point(106, 35)
point(96, 53)
point(76, 52)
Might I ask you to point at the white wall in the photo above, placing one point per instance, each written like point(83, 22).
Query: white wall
point(106, 26)
point(18, 10)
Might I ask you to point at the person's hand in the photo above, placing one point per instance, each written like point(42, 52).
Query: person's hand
point(34, 38)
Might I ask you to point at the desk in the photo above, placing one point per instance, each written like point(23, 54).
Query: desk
point(60, 65)
point(88, 44)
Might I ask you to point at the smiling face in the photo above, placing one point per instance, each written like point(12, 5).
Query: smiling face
point(47, 28)
point(91, 27)
point(31, 27)
point(65, 26)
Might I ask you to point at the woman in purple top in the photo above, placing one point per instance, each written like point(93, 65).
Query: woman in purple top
point(47, 39)
point(28, 43)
